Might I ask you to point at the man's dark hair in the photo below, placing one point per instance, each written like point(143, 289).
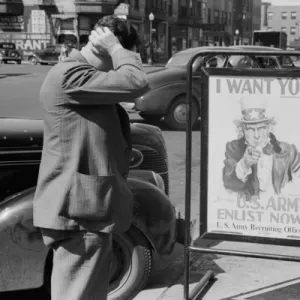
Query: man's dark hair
point(120, 2)
point(122, 29)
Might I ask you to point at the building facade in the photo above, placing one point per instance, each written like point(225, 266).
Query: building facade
point(247, 16)
point(217, 30)
point(282, 18)
point(177, 24)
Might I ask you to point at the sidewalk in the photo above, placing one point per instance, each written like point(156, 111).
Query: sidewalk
point(235, 277)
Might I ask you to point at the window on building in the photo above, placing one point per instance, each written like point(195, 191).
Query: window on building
point(270, 15)
point(293, 30)
point(269, 28)
point(222, 17)
point(194, 11)
point(183, 8)
point(209, 16)
point(170, 9)
point(216, 16)
point(226, 18)
point(136, 5)
point(230, 18)
point(204, 8)
point(284, 15)
point(283, 29)
point(293, 15)
point(198, 8)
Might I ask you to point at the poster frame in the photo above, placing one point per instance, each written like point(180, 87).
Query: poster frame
point(189, 246)
point(205, 115)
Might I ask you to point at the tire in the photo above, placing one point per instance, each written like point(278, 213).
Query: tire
point(150, 118)
point(132, 262)
point(176, 115)
point(19, 62)
point(33, 60)
point(4, 61)
point(135, 262)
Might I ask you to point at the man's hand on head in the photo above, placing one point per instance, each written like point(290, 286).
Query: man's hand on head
point(104, 41)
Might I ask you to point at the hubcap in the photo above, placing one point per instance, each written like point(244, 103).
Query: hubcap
point(180, 113)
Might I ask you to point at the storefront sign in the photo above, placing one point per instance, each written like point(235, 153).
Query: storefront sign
point(253, 166)
point(89, 9)
point(27, 43)
point(12, 23)
point(38, 21)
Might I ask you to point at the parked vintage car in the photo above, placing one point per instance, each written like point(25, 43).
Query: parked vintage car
point(8, 53)
point(47, 56)
point(167, 97)
point(24, 261)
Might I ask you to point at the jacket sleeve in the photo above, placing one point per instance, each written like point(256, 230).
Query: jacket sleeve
point(86, 85)
point(230, 178)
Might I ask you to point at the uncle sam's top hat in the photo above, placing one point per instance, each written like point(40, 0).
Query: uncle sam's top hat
point(253, 110)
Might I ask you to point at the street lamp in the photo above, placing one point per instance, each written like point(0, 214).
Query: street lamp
point(151, 18)
point(237, 32)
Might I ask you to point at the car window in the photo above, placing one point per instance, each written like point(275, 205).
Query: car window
point(268, 62)
point(241, 61)
point(286, 61)
point(50, 48)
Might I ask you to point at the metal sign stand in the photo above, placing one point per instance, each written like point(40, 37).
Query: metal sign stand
point(188, 248)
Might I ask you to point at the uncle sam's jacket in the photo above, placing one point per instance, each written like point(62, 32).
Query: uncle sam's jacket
point(286, 162)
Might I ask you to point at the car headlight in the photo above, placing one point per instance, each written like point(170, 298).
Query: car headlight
point(159, 181)
point(136, 158)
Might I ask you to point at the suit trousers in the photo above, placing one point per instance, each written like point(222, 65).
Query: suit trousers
point(81, 264)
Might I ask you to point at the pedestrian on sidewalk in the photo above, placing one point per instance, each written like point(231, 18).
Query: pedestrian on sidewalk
point(82, 195)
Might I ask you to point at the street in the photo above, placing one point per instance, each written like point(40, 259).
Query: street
point(236, 278)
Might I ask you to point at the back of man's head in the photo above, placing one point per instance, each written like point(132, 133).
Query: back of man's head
point(122, 29)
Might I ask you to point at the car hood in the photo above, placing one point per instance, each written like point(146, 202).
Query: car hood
point(26, 134)
point(162, 76)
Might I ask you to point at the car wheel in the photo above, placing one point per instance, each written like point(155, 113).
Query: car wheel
point(177, 114)
point(19, 62)
point(150, 118)
point(33, 60)
point(4, 61)
point(131, 266)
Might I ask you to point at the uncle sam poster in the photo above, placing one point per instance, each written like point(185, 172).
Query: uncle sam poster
point(253, 175)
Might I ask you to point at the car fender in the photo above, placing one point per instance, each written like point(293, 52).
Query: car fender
point(23, 254)
point(158, 100)
point(154, 215)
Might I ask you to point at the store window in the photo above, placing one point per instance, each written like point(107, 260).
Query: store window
point(217, 16)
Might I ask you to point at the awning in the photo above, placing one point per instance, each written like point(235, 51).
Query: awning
point(64, 16)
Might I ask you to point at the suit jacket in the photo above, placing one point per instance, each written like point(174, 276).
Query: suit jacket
point(85, 160)
point(286, 162)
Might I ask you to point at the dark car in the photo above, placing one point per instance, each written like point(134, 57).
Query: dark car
point(47, 56)
point(8, 53)
point(24, 261)
point(167, 97)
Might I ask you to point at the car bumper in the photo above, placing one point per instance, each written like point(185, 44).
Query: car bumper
point(129, 107)
point(10, 58)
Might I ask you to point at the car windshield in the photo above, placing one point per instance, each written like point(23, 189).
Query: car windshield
point(179, 60)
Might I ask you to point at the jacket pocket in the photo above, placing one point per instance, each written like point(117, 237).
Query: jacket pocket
point(90, 197)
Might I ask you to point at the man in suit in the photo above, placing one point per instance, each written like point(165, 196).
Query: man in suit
point(257, 163)
point(82, 195)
